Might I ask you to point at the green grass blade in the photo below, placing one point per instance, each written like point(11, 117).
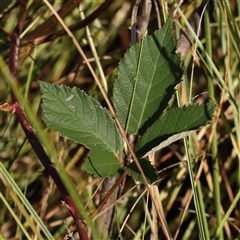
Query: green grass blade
point(231, 98)
point(94, 52)
point(77, 200)
point(227, 215)
point(25, 202)
point(5, 202)
point(214, 144)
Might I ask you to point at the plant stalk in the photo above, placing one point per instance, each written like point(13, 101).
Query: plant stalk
point(30, 132)
point(214, 145)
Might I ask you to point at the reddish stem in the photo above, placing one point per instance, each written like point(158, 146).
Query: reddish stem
point(30, 132)
point(109, 193)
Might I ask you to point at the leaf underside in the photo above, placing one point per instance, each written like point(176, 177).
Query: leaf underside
point(146, 79)
point(174, 125)
point(79, 117)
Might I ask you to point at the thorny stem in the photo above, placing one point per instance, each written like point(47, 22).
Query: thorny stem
point(104, 201)
point(30, 132)
point(109, 193)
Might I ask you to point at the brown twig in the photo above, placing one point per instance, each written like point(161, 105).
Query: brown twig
point(51, 22)
point(108, 194)
point(30, 132)
point(36, 39)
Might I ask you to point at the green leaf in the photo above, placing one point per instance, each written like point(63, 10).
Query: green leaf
point(174, 125)
point(146, 79)
point(148, 169)
point(102, 164)
point(79, 117)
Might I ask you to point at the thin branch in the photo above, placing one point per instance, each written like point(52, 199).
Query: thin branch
point(43, 38)
point(30, 132)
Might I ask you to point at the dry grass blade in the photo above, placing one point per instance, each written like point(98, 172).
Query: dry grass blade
point(158, 206)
